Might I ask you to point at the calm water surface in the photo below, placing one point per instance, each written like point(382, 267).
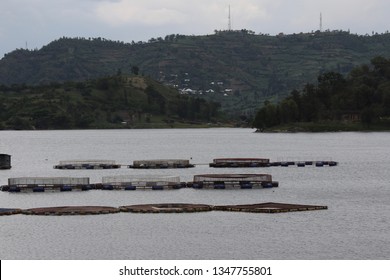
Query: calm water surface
point(357, 192)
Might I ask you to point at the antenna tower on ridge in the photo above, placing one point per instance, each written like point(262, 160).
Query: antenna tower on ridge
point(229, 21)
point(320, 22)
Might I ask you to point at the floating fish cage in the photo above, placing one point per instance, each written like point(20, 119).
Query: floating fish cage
point(9, 211)
point(240, 181)
point(71, 210)
point(161, 163)
point(269, 207)
point(240, 162)
point(143, 182)
point(87, 164)
point(166, 208)
point(42, 184)
point(5, 161)
point(319, 163)
point(302, 162)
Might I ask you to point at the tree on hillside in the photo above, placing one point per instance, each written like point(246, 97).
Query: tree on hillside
point(135, 70)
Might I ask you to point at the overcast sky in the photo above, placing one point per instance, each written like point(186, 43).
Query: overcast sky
point(35, 23)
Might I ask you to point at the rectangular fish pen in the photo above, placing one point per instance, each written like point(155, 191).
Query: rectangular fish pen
point(41, 184)
point(87, 164)
point(240, 162)
point(143, 182)
point(241, 181)
point(161, 163)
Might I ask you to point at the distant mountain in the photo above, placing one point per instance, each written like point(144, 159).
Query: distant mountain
point(236, 68)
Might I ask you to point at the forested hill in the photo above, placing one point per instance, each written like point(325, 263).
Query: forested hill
point(360, 101)
point(118, 101)
point(239, 69)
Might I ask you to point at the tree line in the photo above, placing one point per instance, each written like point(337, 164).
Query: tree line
point(363, 96)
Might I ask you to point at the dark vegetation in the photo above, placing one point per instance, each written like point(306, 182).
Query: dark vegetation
point(111, 102)
point(359, 101)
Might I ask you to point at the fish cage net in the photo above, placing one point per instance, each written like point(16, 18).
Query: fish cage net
point(48, 181)
point(304, 159)
point(141, 180)
point(154, 162)
point(241, 160)
point(233, 177)
point(90, 162)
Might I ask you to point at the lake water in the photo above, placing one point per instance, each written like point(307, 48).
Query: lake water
point(357, 193)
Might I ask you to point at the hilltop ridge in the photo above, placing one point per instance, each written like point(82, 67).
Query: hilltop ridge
point(238, 69)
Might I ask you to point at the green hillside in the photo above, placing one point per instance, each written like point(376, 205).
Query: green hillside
point(360, 101)
point(238, 69)
point(118, 101)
